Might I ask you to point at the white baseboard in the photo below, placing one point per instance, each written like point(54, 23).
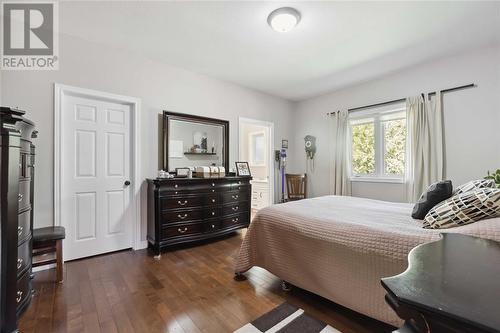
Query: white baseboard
point(141, 245)
point(43, 268)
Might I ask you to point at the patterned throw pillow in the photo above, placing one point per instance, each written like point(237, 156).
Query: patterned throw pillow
point(464, 208)
point(475, 185)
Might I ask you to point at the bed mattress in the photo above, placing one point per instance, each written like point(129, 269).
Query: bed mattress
point(340, 247)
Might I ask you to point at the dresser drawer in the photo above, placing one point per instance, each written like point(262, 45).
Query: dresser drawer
point(235, 220)
point(212, 199)
point(24, 194)
point(23, 226)
point(181, 202)
point(184, 187)
point(235, 208)
point(239, 184)
point(241, 188)
point(182, 215)
point(23, 291)
point(212, 225)
point(183, 230)
point(23, 257)
point(234, 196)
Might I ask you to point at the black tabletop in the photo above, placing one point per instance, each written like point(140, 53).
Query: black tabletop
point(456, 277)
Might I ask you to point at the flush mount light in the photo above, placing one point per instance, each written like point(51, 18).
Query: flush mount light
point(283, 19)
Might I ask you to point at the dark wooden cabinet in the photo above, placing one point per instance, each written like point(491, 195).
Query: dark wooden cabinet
point(451, 286)
point(184, 210)
point(16, 224)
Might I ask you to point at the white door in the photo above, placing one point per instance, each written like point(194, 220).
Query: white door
point(95, 170)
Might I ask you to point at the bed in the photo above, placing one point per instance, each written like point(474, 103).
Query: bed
point(340, 247)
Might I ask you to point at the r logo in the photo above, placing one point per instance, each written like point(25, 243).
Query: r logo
point(28, 29)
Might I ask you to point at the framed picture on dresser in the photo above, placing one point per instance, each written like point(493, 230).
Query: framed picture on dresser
point(243, 169)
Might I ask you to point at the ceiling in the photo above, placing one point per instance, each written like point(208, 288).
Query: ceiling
point(336, 44)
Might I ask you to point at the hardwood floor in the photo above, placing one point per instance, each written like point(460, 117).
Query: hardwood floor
point(190, 290)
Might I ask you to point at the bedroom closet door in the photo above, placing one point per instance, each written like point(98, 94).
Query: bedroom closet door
point(95, 176)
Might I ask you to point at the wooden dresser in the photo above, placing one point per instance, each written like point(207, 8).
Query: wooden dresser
point(16, 183)
point(182, 210)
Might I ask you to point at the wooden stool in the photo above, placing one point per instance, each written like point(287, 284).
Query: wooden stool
point(46, 241)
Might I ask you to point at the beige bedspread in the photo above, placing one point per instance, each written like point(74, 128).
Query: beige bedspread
point(340, 247)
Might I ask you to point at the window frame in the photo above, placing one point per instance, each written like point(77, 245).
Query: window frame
point(376, 116)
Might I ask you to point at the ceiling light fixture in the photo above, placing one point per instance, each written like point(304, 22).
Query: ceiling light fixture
point(283, 19)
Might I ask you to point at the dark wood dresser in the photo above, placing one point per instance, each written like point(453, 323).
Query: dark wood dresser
point(184, 210)
point(450, 286)
point(16, 183)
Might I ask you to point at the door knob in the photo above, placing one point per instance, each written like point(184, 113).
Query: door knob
point(127, 182)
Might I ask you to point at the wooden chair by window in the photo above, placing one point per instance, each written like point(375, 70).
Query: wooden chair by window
point(296, 186)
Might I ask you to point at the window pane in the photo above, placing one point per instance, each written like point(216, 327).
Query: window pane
point(395, 144)
point(363, 148)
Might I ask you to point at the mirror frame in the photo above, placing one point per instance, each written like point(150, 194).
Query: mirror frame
point(169, 116)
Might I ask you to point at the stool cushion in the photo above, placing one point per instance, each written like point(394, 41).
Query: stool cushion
point(48, 234)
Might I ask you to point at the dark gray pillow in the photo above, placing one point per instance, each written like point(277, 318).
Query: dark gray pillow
point(434, 194)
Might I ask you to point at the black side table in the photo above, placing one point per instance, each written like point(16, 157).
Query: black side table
point(452, 285)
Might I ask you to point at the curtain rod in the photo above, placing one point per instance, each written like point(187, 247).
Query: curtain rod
point(472, 85)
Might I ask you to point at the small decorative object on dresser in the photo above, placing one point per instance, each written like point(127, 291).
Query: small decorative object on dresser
point(182, 172)
point(242, 169)
point(446, 289)
point(182, 210)
point(17, 164)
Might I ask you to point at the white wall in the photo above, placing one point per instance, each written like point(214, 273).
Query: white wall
point(159, 86)
point(472, 118)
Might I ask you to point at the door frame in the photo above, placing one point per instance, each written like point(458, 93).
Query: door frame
point(270, 126)
point(61, 90)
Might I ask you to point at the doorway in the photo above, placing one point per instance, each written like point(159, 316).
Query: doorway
point(256, 139)
point(96, 171)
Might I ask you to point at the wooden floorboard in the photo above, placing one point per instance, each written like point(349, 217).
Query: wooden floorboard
point(190, 290)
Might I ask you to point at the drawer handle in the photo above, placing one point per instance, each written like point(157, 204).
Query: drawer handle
point(182, 217)
point(235, 208)
point(182, 203)
point(213, 200)
point(213, 213)
point(239, 188)
point(176, 192)
point(235, 197)
point(213, 184)
point(19, 296)
point(19, 230)
point(213, 191)
point(239, 183)
point(176, 186)
point(19, 262)
point(234, 220)
point(213, 226)
point(20, 197)
point(182, 230)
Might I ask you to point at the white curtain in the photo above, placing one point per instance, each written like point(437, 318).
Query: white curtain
point(339, 158)
point(424, 144)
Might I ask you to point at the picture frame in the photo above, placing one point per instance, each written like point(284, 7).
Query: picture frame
point(243, 169)
point(284, 144)
point(182, 172)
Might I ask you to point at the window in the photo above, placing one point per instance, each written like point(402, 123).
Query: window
point(378, 143)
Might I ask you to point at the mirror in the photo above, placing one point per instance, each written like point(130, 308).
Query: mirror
point(191, 141)
point(257, 149)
